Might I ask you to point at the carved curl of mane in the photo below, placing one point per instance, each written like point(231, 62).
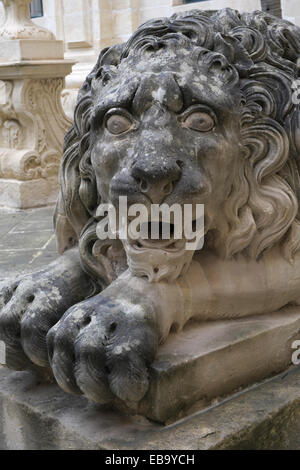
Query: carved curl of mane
point(262, 208)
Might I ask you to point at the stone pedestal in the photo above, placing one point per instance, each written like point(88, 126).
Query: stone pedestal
point(211, 360)
point(204, 365)
point(36, 416)
point(33, 123)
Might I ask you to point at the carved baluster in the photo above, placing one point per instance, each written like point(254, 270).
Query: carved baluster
point(18, 24)
point(32, 121)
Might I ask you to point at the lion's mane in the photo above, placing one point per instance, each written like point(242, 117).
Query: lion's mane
point(262, 209)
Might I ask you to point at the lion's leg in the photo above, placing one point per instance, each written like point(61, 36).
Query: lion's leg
point(103, 347)
point(32, 304)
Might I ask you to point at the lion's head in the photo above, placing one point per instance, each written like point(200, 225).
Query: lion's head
point(196, 108)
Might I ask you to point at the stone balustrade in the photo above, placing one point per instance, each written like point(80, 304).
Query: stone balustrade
point(32, 120)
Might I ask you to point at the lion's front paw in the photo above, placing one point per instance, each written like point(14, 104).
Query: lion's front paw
point(103, 349)
point(29, 307)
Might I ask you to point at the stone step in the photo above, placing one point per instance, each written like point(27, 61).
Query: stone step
point(210, 360)
point(35, 416)
point(198, 373)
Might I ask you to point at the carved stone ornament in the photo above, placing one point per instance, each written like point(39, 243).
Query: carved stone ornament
point(32, 130)
point(192, 109)
point(32, 120)
point(18, 24)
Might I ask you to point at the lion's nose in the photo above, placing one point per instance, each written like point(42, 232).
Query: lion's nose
point(156, 183)
point(156, 191)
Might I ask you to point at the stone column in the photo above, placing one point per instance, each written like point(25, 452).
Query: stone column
point(32, 120)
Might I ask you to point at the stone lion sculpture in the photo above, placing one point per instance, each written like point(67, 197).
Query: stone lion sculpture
point(196, 108)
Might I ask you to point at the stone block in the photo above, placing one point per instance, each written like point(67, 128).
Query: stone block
point(36, 416)
point(26, 49)
point(122, 22)
point(26, 194)
point(213, 359)
point(154, 12)
point(290, 7)
point(241, 5)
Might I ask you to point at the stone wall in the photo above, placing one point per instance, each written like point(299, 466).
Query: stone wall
point(291, 10)
point(87, 26)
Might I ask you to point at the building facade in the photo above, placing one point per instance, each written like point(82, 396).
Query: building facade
point(87, 26)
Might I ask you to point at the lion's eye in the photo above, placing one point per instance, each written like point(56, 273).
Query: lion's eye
point(199, 121)
point(117, 124)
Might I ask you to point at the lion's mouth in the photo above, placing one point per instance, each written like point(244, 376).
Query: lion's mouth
point(158, 235)
point(158, 257)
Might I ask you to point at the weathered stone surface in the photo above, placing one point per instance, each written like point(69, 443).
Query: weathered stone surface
point(192, 109)
point(18, 25)
point(25, 49)
point(213, 359)
point(41, 416)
